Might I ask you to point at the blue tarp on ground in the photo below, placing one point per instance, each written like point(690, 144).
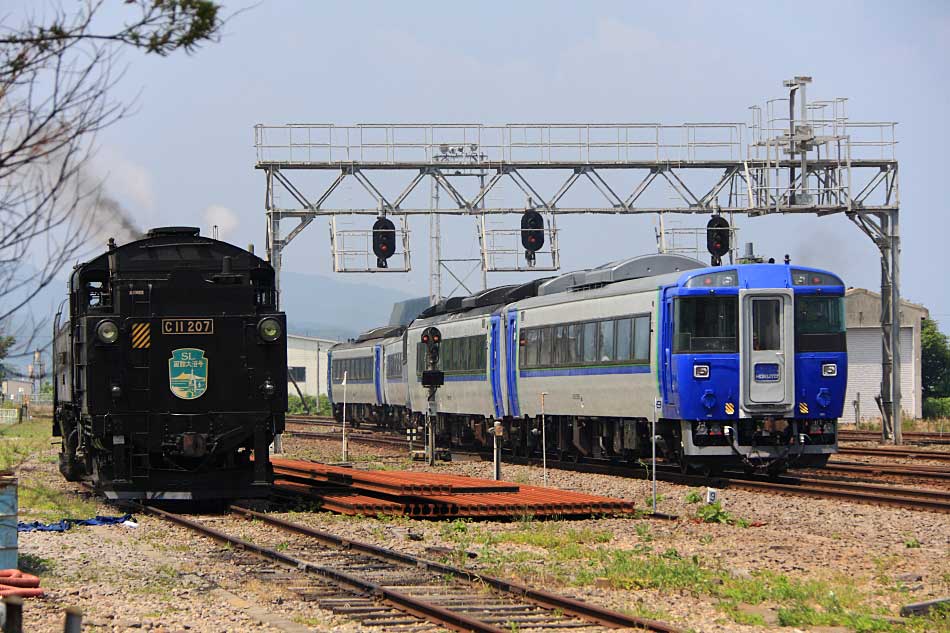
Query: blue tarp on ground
point(65, 524)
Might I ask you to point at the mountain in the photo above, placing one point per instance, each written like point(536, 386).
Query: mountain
point(330, 307)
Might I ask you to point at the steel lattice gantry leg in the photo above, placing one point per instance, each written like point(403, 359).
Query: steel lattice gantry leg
point(883, 228)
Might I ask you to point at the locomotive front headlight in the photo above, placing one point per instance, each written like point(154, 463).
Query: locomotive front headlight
point(829, 370)
point(269, 329)
point(107, 332)
point(700, 371)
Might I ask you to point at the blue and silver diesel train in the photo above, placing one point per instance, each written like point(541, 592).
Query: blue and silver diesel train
point(747, 363)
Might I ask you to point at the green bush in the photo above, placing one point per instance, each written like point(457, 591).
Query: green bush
point(936, 408)
point(295, 405)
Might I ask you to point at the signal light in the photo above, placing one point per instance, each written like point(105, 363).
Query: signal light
point(532, 233)
point(384, 241)
point(431, 338)
point(717, 238)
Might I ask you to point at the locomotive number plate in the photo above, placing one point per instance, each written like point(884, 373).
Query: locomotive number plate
point(187, 326)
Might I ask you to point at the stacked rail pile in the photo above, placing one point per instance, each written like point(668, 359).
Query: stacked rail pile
point(432, 495)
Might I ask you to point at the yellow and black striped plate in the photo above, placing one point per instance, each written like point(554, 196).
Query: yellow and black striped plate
point(141, 335)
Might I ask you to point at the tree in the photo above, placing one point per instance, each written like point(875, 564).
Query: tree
point(6, 342)
point(56, 73)
point(935, 360)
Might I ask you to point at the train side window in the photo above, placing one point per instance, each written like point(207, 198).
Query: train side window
point(545, 344)
point(481, 354)
point(532, 346)
point(561, 352)
point(641, 341)
point(590, 340)
point(606, 353)
point(465, 347)
point(624, 339)
point(575, 353)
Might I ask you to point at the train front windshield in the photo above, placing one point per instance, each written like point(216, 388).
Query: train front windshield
point(820, 324)
point(706, 325)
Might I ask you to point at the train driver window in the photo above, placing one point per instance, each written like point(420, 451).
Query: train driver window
point(94, 294)
point(820, 324)
point(706, 324)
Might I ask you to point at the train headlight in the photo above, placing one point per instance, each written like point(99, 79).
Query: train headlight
point(700, 371)
point(107, 331)
point(268, 388)
point(829, 370)
point(269, 329)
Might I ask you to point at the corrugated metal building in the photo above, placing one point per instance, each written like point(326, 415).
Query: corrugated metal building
point(863, 315)
point(307, 362)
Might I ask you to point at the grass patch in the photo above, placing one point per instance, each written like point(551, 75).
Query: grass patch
point(20, 442)
point(553, 536)
point(580, 557)
point(37, 499)
point(33, 564)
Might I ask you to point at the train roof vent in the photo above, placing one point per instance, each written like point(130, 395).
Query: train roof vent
point(526, 290)
point(387, 331)
point(191, 231)
point(624, 270)
point(490, 297)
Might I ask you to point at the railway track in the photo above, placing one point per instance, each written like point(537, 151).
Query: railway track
point(893, 470)
point(896, 496)
point(876, 494)
point(848, 435)
point(393, 591)
point(895, 452)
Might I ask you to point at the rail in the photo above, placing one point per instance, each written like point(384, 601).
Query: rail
point(353, 566)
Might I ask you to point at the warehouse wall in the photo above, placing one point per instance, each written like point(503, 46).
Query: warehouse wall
point(863, 315)
point(308, 355)
point(864, 374)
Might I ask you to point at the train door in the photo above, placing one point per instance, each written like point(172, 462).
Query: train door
point(766, 347)
point(378, 373)
point(494, 365)
point(666, 367)
point(511, 331)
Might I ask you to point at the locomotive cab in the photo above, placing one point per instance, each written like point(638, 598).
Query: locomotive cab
point(752, 376)
point(175, 356)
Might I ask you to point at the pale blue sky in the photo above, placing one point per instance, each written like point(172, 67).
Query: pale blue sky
point(189, 146)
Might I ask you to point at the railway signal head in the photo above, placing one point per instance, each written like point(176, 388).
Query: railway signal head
point(384, 241)
point(532, 231)
point(717, 237)
point(432, 339)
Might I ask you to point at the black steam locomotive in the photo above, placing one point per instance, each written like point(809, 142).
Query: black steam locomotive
point(170, 370)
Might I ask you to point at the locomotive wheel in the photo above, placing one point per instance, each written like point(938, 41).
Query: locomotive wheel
point(69, 468)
